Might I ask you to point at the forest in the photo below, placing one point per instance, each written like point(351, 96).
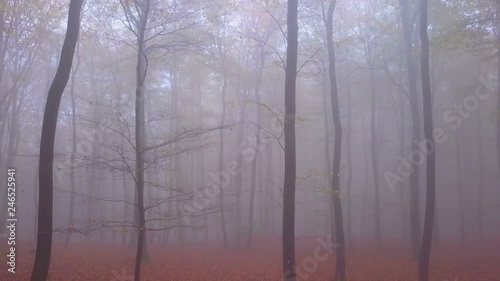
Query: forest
point(252, 140)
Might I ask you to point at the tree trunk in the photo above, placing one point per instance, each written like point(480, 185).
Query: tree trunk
point(481, 175)
point(239, 179)
point(69, 230)
point(260, 71)
point(45, 208)
point(460, 186)
point(35, 203)
point(329, 216)
point(140, 139)
point(221, 159)
point(337, 206)
point(288, 230)
point(402, 143)
point(374, 146)
point(411, 71)
point(349, 167)
point(460, 192)
point(425, 250)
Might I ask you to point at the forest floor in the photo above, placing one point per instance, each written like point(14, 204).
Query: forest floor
point(207, 262)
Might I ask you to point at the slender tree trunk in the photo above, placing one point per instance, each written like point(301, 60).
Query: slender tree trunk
point(253, 185)
point(425, 250)
point(402, 142)
point(374, 146)
point(140, 139)
point(481, 175)
point(258, 80)
point(460, 185)
point(268, 188)
point(340, 274)
point(202, 156)
point(221, 159)
point(460, 192)
point(349, 167)
point(73, 151)
point(330, 215)
point(411, 71)
point(35, 203)
point(45, 208)
point(288, 246)
point(239, 177)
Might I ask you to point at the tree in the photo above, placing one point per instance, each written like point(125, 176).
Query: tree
point(45, 207)
point(411, 74)
point(374, 142)
point(73, 151)
point(222, 52)
point(288, 242)
point(337, 149)
point(425, 249)
point(140, 134)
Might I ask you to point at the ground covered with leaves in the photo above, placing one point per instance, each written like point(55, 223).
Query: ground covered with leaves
point(207, 262)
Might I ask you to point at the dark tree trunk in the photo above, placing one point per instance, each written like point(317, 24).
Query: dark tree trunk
point(290, 155)
point(425, 249)
point(140, 139)
point(411, 71)
point(45, 207)
point(337, 206)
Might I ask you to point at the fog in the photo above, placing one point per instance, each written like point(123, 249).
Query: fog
point(174, 132)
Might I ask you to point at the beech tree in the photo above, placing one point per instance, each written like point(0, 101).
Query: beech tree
point(411, 77)
point(45, 205)
point(340, 274)
point(425, 250)
point(288, 235)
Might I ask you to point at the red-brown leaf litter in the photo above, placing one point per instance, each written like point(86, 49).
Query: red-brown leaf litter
point(209, 262)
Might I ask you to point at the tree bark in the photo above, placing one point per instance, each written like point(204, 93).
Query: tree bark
point(288, 230)
point(425, 249)
point(45, 208)
point(337, 206)
point(140, 138)
point(411, 72)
